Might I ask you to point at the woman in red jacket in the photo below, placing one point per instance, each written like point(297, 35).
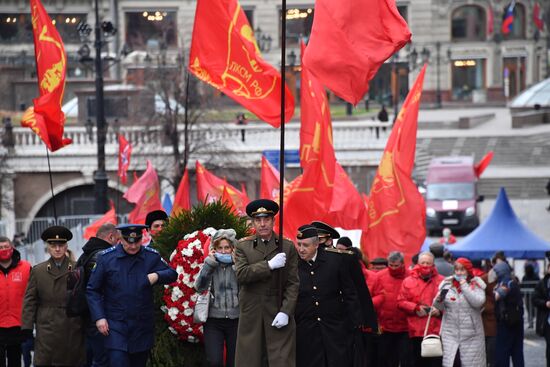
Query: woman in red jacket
point(12, 290)
point(415, 299)
point(392, 322)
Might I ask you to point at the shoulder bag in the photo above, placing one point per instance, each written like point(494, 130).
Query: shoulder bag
point(431, 343)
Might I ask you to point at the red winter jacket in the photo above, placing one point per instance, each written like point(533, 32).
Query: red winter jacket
point(370, 277)
point(384, 297)
point(416, 292)
point(12, 291)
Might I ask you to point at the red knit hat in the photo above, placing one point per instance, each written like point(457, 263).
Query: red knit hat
point(466, 263)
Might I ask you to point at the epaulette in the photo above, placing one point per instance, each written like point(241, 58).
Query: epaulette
point(338, 251)
point(150, 249)
point(248, 238)
point(110, 249)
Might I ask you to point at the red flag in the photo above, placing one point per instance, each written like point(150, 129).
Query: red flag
point(225, 55)
point(182, 200)
point(480, 166)
point(145, 193)
point(210, 188)
point(538, 16)
point(124, 154)
point(396, 210)
point(109, 217)
point(269, 181)
point(350, 40)
point(226, 198)
point(490, 20)
point(45, 118)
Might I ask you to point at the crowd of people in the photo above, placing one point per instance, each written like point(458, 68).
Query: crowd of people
point(316, 302)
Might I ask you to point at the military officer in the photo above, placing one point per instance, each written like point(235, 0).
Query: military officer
point(267, 331)
point(327, 309)
point(120, 296)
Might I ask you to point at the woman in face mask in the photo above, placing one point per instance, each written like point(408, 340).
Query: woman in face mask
point(461, 299)
point(218, 275)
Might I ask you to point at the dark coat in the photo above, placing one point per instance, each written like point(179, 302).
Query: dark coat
point(488, 313)
point(327, 311)
point(258, 302)
point(120, 292)
point(540, 297)
point(44, 309)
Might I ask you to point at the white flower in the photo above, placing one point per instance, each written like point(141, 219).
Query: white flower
point(185, 304)
point(188, 311)
point(187, 252)
point(197, 243)
point(195, 265)
point(179, 269)
point(194, 297)
point(173, 313)
point(209, 231)
point(187, 236)
point(176, 294)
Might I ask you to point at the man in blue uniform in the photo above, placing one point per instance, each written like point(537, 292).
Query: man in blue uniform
point(120, 296)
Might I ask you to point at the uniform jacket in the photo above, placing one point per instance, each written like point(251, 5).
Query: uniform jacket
point(327, 311)
point(384, 296)
point(416, 292)
point(258, 302)
point(224, 290)
point(44, 309)
point(540, 297)
point(461, 327)
point(120, 292)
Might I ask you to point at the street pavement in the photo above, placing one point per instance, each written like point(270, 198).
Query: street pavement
point(534, 349)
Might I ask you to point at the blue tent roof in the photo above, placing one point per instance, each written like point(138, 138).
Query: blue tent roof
point(502, 230)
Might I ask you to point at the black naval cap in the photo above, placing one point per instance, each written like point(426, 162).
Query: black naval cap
point(345, 241)
point(155, 215)
point(56, 234)
point(325, 230)
point(262, 208)
point(132, 233)
point(307, 231)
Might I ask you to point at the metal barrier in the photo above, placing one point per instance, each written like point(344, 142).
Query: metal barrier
point(527, 291)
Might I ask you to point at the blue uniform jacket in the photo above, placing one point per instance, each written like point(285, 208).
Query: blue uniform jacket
point(119, 291)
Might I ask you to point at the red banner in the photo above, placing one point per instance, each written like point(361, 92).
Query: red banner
point(210, 188)
point(45, 118)
point(145, 193)
point(224, 54)
point(269, 181)
point(182, 200)
point(396, 210)
point(124, 154)
point(109, 217)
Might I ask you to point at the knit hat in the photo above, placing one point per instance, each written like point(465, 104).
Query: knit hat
point(467, 264)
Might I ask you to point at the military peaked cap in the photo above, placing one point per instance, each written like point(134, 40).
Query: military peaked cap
point(262, 208)
point(132, 233)
point(325, 230)
point(56, 234)
point(307, 231)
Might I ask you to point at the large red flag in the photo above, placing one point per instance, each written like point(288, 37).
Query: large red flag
point(182, 200)
point(109, 217)
point(45, 118)
point(210, 188)
point(350, 40)
point(225, 55)
point(396, 210)
point(145, 193)
point(124, 154)
point(269, 181)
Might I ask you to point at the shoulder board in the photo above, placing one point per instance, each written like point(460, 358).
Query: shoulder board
point(110, 249)
point(248, 238)
point(338, 251)
point(150, 249)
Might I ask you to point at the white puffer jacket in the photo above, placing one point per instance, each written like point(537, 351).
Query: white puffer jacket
point(461, 327)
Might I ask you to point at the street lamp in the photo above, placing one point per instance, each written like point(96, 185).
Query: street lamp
point(264, 40)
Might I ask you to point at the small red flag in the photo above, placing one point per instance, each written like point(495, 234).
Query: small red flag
point(396, 210)
point(46, 118)
point(182, 200)
point(124, 154)
point(490, 20)
point(225, 55)
point(269, 181)
point(350, 40)
point(145, 193)
point(108, 217)
point(226, 198)
point(480, 166)
point(210, 188)
point(538, 16)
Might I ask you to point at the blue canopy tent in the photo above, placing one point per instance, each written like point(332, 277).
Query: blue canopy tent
point(501, 231)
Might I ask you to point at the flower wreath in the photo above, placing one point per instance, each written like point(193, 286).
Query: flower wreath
point(179, 297)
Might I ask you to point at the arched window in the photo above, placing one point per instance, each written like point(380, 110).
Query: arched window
point(469, 23)
point(518, 26)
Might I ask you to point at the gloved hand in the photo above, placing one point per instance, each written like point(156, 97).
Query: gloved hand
point(278, 261)
point(280, 320)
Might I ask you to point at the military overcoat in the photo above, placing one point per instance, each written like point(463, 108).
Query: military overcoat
point(59, 338)
point(258, 342)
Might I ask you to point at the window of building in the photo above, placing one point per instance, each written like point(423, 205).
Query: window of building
point(17, 28)
point(298, 23)
point(153, 26)
point(402, 9)
point(469, 23)
point(468, 78)
point(249, 16)
point(518, 26)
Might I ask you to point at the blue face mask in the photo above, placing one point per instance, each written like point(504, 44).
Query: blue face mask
point(459, 277)
point(223, 258)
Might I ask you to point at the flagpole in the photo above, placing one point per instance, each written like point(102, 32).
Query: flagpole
point(51, 185)
point(282, 147)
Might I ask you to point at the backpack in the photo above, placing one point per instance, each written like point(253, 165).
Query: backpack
point(77, 304)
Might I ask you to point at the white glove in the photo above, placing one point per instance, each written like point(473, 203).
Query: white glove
point(278, 261)
point(280, 320)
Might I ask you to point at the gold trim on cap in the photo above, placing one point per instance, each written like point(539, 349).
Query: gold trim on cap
point(299, 235)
